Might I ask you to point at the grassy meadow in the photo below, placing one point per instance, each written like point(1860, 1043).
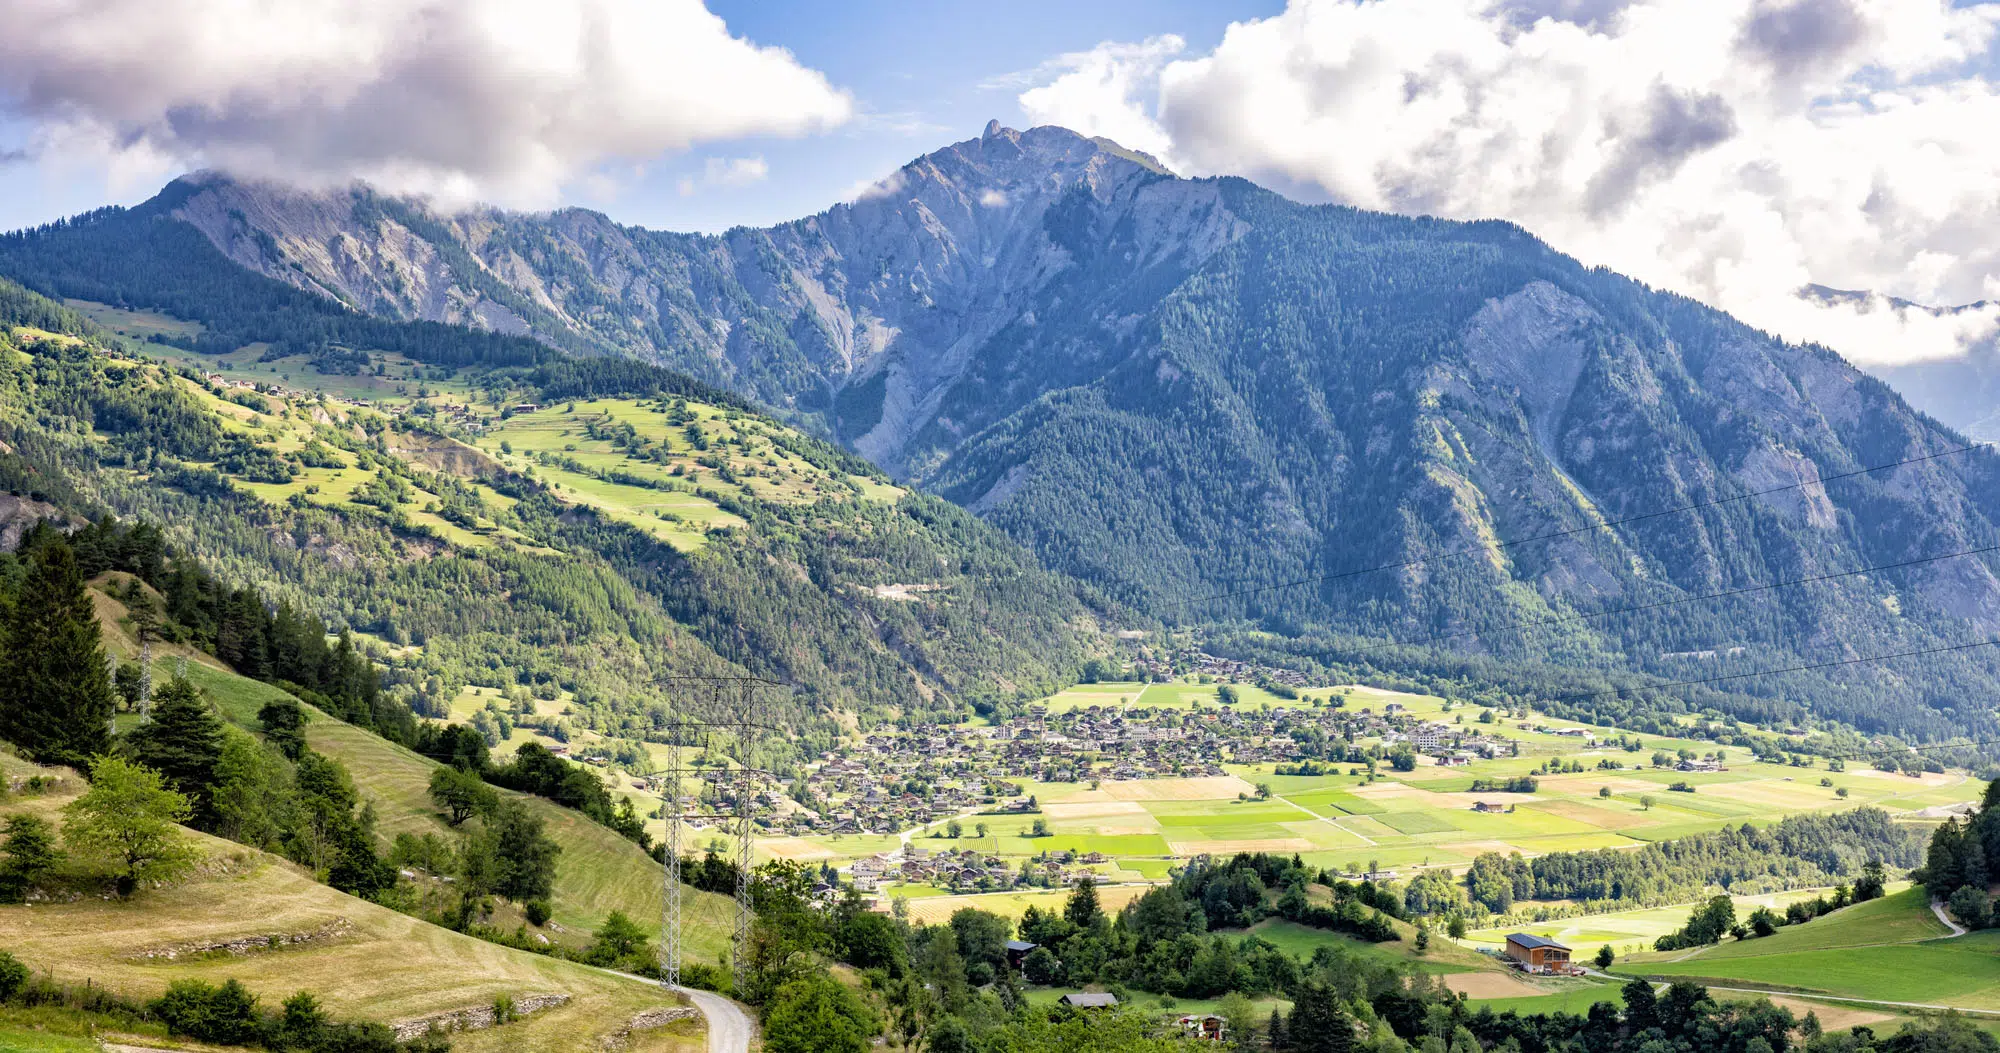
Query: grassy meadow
point(363, 961)
point(598, 871)
point(737, 457)
point(1632, 932)
point(1891, 949)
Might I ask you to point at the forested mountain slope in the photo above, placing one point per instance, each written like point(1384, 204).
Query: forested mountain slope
point(1179, 389)
point(763, 551)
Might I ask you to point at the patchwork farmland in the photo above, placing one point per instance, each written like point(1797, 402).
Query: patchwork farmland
point(1079, 801)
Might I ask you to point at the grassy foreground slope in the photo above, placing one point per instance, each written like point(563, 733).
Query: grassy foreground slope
point(598, 871)
point(366, 962)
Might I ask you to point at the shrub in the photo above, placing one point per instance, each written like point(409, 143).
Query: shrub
point(537, 911)
point(199, 1010)
point(705, 977)
point(1041, 966)
point(13, 975)
point(1972, 906)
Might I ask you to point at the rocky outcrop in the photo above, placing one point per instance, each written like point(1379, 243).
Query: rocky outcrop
point(334, 929)
point(475, 1018)
point(19, 514)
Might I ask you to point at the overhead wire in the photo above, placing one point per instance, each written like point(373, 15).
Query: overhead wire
point(1573, 531)
point(1529, 623)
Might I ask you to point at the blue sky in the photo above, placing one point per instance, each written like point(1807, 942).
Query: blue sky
point(923, 75)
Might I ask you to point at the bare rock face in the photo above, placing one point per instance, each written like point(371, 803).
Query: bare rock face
point(869, 317)
point(1529, 347)
point(19, 514)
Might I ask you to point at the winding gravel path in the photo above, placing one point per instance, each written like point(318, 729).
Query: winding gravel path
point(1956, 929)
point(729, 1027)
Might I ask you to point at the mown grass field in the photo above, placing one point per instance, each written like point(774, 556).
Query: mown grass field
point(1892, 949)
point(365, 961)
point(1633, 931)
point(934, 908)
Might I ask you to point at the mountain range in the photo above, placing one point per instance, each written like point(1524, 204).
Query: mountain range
point(1214, 404)
point(1961, 390)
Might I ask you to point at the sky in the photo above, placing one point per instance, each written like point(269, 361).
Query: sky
point(1736, 151)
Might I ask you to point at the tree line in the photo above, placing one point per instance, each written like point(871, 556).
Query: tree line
point(1797, 852)
point(957, 987)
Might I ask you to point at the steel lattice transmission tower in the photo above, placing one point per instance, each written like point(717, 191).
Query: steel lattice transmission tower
point(744, 723)
point(145, 677)
point(739, 947)
point(670, 920)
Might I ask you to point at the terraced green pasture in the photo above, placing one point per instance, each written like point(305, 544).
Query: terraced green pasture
point(735, 456)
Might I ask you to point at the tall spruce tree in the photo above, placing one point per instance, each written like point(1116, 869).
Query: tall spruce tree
point(183, 742)
point(1318, 1023)
point(56, 698)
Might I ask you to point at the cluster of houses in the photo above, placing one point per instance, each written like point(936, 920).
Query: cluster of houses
point(1451, 745)
point(969, 870)
point(896, 779)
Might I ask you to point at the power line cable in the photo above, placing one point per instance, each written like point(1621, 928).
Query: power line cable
point(1828, 665)
point(1572, 531)
point(1695, 598)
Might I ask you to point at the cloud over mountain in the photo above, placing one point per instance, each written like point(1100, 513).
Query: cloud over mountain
point(1733, 150)
point(497, 99)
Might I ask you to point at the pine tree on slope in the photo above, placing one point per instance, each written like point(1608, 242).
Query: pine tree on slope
point(56, 699)
point(183, 742)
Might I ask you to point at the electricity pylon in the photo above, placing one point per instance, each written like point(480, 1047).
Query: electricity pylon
point(741, 820)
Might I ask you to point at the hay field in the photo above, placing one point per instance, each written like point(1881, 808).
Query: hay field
point(1204, 788)
point(366, 960)
point(934, 909)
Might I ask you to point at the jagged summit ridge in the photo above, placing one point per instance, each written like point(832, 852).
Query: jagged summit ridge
point(863, 316)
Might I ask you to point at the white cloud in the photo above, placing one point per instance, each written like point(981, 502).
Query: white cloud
point(726, 171)
point(501, 99)
point(1733, 150)
point(993, 198)
point(870, 189)
point(1102, 89)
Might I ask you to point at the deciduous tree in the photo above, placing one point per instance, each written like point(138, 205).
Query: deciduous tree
point(127, 823)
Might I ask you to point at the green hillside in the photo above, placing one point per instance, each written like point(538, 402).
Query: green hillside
point(362, 961)
point(1891, 949)
point(578, 551)
point(598, 871)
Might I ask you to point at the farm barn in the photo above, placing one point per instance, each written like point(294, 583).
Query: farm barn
point(1537, 954)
